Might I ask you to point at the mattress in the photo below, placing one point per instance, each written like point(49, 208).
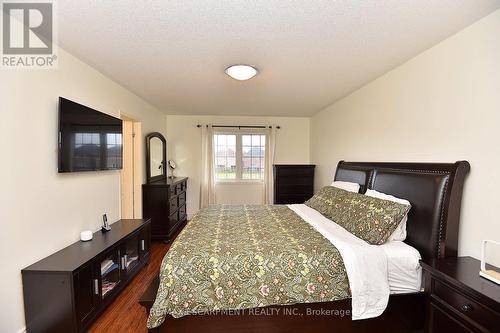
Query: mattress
point(404, 271)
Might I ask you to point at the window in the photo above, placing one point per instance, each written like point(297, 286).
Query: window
point(225, 156)
point(239, 156)
point(253, 147)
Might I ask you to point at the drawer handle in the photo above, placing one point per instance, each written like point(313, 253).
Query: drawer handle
point(96, 286)
point(466, 308)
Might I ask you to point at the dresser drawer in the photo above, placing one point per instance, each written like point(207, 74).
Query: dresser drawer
point(295, 172)
point(174, 190)
point(294, 188)
point(173, 204)
point(183, 186)
point(292, 199)
point(182, 213)
point(442, 322)
point(174, 218)
point(467, 307)
point(296, 181)
point(182, 199)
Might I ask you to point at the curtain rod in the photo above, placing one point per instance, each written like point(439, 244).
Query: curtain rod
point(238, 126)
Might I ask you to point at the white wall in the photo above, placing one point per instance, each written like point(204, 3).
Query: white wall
point(42, 211)
point(184, 142)
point(443, 105)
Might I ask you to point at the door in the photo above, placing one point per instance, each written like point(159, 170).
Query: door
point(130, 255)
point(109, 272)
point(145, 242)
point(86, 288)
point(131, 179)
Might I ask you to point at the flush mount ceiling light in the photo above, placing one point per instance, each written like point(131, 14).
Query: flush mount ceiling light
point(241, 72)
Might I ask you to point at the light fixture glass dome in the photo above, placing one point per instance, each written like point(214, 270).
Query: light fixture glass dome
point(241, 72)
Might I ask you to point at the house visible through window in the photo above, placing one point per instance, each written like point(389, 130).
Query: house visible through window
point(225, 156)
point(239, 156)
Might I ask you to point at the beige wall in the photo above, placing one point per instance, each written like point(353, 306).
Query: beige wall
point(184, 142)
point(443, 105)
point(42, 211)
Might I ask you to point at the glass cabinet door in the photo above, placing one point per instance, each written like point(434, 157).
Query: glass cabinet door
point(131, 253)
point(110, 273)
point(86, 286)
point(144, 242)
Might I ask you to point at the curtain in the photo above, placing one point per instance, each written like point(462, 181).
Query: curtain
point(207, 193)
point(269, 162)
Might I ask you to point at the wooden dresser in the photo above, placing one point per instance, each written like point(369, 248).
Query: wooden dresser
point(164, 202)
point(68, 290)
point(293, 183)
point(458, 299)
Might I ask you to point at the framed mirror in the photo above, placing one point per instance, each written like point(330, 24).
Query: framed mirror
point(156, 157)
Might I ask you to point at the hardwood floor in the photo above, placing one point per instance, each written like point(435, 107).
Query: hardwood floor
point(125, 315)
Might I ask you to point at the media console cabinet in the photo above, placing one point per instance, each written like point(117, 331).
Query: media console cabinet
point(69, 289)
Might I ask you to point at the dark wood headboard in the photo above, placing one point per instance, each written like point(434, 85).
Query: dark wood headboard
point(434, 191)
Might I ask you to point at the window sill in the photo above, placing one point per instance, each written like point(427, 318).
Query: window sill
point(239, 182)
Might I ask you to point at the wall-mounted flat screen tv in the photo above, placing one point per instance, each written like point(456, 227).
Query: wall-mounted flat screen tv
point(89, 140)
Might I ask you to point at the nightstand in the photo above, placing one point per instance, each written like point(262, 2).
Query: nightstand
point(458, 299)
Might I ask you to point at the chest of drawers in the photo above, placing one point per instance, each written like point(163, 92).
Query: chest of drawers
point(164, 202)
point(293, 183)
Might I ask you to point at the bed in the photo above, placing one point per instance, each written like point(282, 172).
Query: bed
point(434, 191)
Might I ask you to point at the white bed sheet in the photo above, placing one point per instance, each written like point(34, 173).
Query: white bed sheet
point(392, 268)
point(365, 264)
point(404, 271)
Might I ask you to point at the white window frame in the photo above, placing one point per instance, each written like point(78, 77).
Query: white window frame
point(238, 156)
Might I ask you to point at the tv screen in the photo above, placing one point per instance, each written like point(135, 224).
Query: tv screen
point(89, 140)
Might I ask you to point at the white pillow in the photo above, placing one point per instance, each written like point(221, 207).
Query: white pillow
point(400, 233)
point(348, 186)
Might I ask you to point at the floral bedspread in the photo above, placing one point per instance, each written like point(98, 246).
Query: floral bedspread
point(247, 256)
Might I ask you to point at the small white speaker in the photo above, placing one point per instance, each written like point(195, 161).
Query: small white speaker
point(86, 235)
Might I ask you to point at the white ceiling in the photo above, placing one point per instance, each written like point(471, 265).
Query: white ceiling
point(309, 53)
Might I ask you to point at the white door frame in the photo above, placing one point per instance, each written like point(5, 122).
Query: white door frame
point(133, 198)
